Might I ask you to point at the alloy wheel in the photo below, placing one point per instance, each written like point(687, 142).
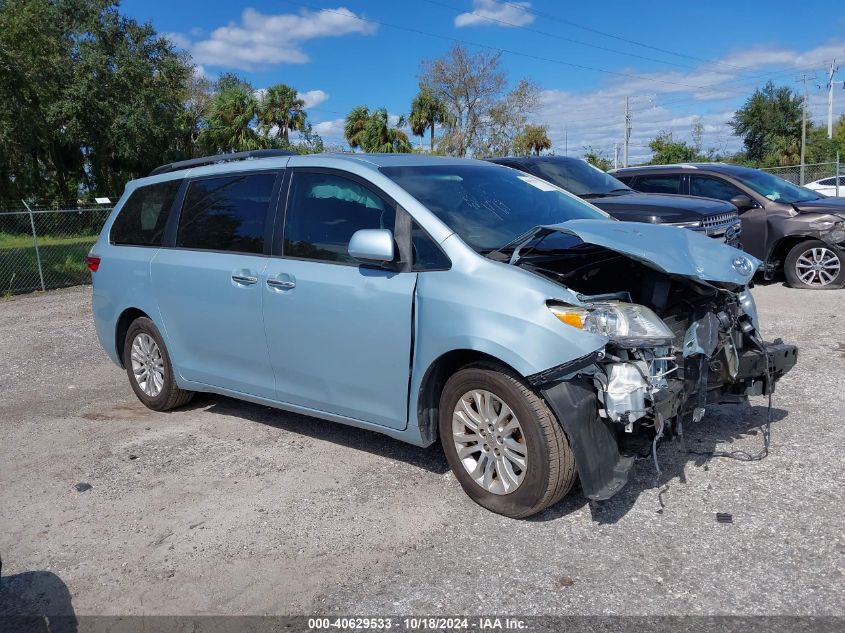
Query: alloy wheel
point(489, 441)
point(817, 266)
point(147, 364)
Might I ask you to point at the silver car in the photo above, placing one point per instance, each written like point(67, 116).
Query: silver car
point(429, 299)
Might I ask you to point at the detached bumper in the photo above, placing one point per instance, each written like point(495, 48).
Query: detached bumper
point(602, 469)
point(760, 371)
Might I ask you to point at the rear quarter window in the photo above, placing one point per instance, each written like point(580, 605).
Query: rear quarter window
point(142, 219)
point(226, 213)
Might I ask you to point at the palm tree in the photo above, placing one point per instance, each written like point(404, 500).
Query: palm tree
point(281, 107)
point(418, 125)
point(356, 120)
point(427, 110)
point(533, 138)
point(231, 118)
point(379, 136)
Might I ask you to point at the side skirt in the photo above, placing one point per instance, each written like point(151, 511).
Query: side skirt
point(409, 435)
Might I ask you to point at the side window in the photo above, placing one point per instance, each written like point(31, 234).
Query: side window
point(325, 210)
point(828, 182)
point(427, 255)
point(141, 220)
point(226, 213)
point(624, 179)
point(659, 183)
point(713, 188)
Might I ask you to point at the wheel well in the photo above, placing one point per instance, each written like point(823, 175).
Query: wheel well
point(428, 403)
point(123, 323)
point(782, 248)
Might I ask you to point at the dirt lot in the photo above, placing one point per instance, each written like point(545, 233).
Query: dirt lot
point(227, 507)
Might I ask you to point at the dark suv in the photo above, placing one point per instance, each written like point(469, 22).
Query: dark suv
point(716, 218)
point(788, 227)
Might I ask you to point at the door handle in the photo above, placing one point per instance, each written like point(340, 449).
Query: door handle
point(281, 284)
point(246, 280)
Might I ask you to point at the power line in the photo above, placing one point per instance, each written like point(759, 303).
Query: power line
point(495, 48)
point(560, 37)
point(686, 100)
point(619, 37)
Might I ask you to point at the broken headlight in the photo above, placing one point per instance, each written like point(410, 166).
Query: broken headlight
point(626, 324)
point(834, 230)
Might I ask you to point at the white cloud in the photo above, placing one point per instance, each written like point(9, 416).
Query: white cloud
point(330, 130)
point(709, 94)
point(313, 98)
point(261, 40)
point(177, 39)
point(496, 13)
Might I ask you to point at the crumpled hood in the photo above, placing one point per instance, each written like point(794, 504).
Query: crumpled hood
point(672, 250)
point(833, 206)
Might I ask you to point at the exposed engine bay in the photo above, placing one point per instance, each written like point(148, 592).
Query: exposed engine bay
point(677, 345)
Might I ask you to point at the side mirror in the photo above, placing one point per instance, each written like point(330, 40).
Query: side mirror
point(742, 202)
point(372, 246)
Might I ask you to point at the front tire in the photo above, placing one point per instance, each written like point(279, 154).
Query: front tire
point(815, 265)
point(504, 445)
point(149, 369)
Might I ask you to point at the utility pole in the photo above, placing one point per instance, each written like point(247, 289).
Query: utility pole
point(830, 74)
point(626, 135)
point(616, 156)
point(803, 128)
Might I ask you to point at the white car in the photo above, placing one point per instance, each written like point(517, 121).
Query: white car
point(827, 186)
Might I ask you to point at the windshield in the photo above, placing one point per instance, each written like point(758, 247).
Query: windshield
point(774, 188)
point(486, 205)
point(578, 177)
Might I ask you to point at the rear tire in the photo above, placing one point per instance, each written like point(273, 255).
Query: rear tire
point(149, 369)
point(532, 464)
point(830, 266)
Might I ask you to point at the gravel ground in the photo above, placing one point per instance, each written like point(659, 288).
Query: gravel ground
point(226, 507)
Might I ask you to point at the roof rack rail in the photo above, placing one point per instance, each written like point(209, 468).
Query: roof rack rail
point(219, 158)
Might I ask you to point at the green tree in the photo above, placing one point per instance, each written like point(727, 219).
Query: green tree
point(533, 139)
point(90, 98)
point(770, 125)
point(666, 150)
point(354, 125)
point(427, 110)
point(379, 136)
point(372, 132)
point(231, 124)
point(597, 158)
point(192, 120)
point(281, 107)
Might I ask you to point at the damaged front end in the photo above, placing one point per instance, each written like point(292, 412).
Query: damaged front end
point(676, 343)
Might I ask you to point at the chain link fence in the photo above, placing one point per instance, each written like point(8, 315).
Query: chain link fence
point(812, 172)
point(46, 248)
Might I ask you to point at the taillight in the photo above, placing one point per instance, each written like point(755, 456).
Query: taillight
point(93, 262)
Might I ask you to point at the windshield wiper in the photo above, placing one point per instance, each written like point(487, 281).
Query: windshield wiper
point(517, 241)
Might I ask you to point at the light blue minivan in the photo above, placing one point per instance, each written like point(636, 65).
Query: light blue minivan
point(428, 298)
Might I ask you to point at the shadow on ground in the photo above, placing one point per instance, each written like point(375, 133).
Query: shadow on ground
point(722, 426)
point(430, 458)
point(36, 601)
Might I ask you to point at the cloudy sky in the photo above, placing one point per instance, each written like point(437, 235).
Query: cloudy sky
point(677, 63)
